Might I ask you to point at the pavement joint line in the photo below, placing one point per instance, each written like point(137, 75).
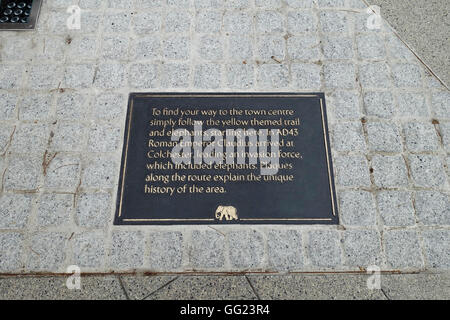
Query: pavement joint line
point(252, 287)
point(119, 278)
point(163, 286)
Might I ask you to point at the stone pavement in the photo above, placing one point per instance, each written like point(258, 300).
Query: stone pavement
point(230, 287)
point(62, 111)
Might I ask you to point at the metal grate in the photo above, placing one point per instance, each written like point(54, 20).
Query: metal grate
point(19, 14)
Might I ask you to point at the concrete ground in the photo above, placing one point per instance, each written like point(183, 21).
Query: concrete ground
point(231, 287)
point(387, 155)
point(425, 27)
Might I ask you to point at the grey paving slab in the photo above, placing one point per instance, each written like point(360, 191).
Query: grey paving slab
point(314, 287)
point(206, 288)
point(140, 287)
point(418, 286)
point(54, 288)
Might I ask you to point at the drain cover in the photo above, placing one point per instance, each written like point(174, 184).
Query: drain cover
point(19, 14)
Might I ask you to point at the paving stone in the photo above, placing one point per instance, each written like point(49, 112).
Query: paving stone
point(300, 3)
point(271, 48)
point(274, 4)
point(396, 208)
point(371, 46)
point(420, 137)
point(30, 137)
point(237, 22)
point(179, 3)
point(98, 172)
point(427, 170)
point(352, 171)
point(81, 47)
point(362, 248)
point(210, 48)
point(176, 47)
point(166, 250)
point(11, 251)
point(240, 76)
point(284, 249)
point(177, 21)
point(208, 3)
point(374, 75)
point(304, 47)
point(15, 210)
point(337, 47)
point(301, 21)
point(330, 3)
point(207, 249)
point(384, 137)
point(206, 288)
point(115, 47)
point(314, 287)
point(345, 105)
point(35, 107)
point(120, 4)
point(23, 173)
point(88, 250)
point(237, 4)
point(246, 249)
point(11, 76)
point(333, 21)
point(269, 21)
point(402, 249)
point(273, 76)
point(143, 75)
point(71, 106)
point(174, 75)
point(440, 102)
point(348, 136)
point(68, 136)
point(47, 251)
point(146, 22)
point(104, 138)
point(62, 172)
point(78, 76)
point(379, 104)
point(437, 248)
point(127, 250)
point(397, 49)
point(324, 249)
point(412, 104)
point(148, 4)
point(208, 21)
point(240, 47)
point(357, 208)
point(389, 171)
point(93, 210)
point(339, 75)
point(116, 22)
point(433, 208)
point(359, 21)
point(110, 76)
point(207, 76)
point(146, 48)
point(8, 105)
point(407, 75)
point(306, 76)
point(90, 4)
point(54, 209)
point(139, 287)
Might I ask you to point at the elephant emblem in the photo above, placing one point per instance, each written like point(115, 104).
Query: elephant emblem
point(227, 212)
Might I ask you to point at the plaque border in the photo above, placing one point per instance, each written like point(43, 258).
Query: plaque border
point(119, 220)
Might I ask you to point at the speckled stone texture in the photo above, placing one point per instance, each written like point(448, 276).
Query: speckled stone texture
point(63, 96)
